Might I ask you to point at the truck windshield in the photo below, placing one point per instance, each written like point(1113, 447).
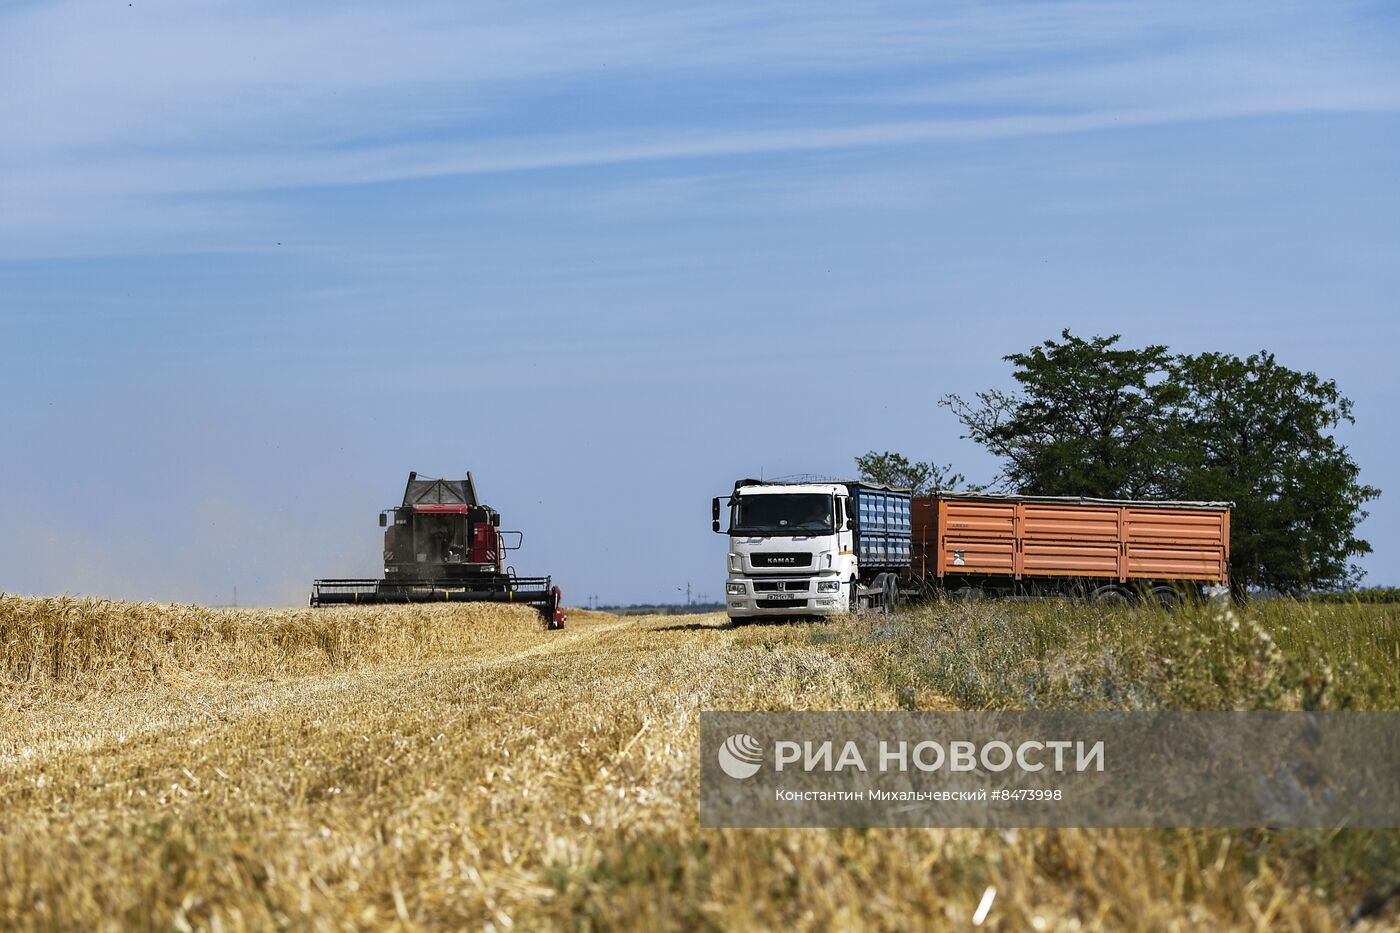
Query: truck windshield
point(801, 513)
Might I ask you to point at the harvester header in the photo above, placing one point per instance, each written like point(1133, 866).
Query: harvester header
point(442, 545)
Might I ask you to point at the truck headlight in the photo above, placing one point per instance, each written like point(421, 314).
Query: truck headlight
point(734, 589)
point(828, 586)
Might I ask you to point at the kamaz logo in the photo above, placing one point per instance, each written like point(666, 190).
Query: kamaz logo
point(782, 560)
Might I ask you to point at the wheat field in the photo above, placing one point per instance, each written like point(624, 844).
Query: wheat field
point(445, 767)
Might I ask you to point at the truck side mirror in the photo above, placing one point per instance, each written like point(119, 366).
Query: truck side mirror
point(714, 508)
point(383, 519)
point(714, 526)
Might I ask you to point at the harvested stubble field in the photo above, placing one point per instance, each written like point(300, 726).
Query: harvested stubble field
point(168, 766)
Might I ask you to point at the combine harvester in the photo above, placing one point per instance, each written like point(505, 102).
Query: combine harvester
point(444, 546)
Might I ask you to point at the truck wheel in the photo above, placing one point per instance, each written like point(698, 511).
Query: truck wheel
point(922, 591)
point(891, 594)
point(882, 597)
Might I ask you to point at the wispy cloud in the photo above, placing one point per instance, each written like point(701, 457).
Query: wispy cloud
point(123, 118)
point(84, 73)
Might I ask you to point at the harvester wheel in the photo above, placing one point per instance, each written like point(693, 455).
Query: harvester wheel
point(555, 607)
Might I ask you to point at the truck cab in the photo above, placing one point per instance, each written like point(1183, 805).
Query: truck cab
point(812, 549)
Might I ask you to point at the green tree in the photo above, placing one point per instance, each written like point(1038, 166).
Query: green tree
point(1088, 419)
point(1091, 418)
point(892, 469)
point(1259, 434)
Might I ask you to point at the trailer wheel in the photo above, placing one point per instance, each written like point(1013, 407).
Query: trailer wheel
point(1166, 596)
point(1112, 596)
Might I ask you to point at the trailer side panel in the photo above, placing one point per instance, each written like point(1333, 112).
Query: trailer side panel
point(1171, 544)
point(1020, 538)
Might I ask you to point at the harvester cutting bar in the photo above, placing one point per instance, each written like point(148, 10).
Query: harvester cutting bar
point(526, 591)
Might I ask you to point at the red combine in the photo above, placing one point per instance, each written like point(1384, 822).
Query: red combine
point(444, 546)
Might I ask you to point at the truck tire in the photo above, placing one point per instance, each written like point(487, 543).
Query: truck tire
point(884, 593)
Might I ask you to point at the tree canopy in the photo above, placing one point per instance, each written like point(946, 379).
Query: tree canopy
point(1092, 418)
point(1259, 434)
point(892, 469)
point(1085, 422)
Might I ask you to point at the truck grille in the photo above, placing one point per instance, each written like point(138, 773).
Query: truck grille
point(777, 586)
point(777, 559)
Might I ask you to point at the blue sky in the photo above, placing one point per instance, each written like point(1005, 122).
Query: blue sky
point(259, 261)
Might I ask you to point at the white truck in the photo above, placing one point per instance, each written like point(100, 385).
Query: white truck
point(813, 549)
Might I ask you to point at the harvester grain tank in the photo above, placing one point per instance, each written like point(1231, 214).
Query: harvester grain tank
point(441, 545)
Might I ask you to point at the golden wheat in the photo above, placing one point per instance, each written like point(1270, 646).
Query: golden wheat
point(91, 643)
point(441, 767)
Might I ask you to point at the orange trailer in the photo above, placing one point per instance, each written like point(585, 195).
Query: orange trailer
point(1110, 548)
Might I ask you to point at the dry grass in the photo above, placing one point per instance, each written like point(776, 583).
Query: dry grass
point(1274, 654)
point(444, 767)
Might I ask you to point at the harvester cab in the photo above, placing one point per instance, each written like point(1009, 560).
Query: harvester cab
point(441, 532)
point(442, 545)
